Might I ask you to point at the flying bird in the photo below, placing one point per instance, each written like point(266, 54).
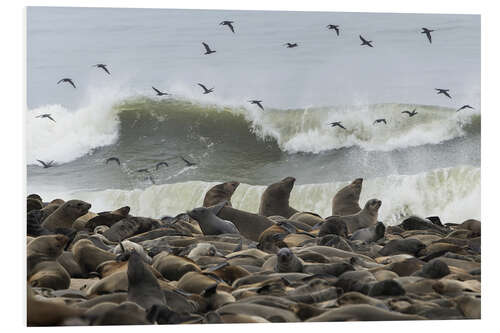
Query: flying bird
point(337, 123)
point(365, 42)
point(46, 164)
point(443, 91)
point(205, 90)
point(229, 24)
point(333, 27)
point(207, 48)
point(187, 162)
point(103, 67)
point(382, 120)
point(68, 80)
point(113, 159)
point(428, 33)
point(411, 114)
point(465, 107)
point(159, 93)
point(46, 115)
point(159, 164)
point(258, 103)
point(291, 45)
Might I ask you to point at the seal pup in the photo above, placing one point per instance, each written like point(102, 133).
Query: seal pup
point(333, 27)
point(158, 92)
point(143, 287)
point(257, 102)
point(209, 223)
point(287, 262)
point(66, 214)
point(228, 24)
point(219, 193)
point(46, 115)
point(346, 200)
point(68, 80)
point(369, 234)
point(365, 218)
point(207, 49)
point(275, 199)
point(103, 67)
point(427, 32)
point(443, 91)
point(365, 42)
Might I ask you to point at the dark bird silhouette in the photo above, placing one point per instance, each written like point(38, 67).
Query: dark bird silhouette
point(113, 159)
point(258, 103)
point(467, 106)
point(46, 115)
point(428, 33)
point(443, 91)
point(207, 48)
point(365, 42)
point(291, 45)
point(103, 67)
point(159, 93)
point(46, 164)
point(337, 123)
point(205, 90)
point(68, 80)
point(411, 114)
point(382, 120)
point(333, 27)
point(159, 164)
point(229, 24)
point(187, 162)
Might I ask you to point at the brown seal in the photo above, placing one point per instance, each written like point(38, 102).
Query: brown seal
point(43, 269)
point(365, 218)
point(249, 225)
point(66, 214)
point(346, 201)
point(275, 199)
point(90, 256)
point(219, 193)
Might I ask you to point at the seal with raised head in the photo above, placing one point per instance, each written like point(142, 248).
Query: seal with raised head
point(365, 218)
point(219, 193)
point(369, 234)
point(346, 200)
point(275, 199)
point(209, 223)
point(143, 287)
point(66, 214)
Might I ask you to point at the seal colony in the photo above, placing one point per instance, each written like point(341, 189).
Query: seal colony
point(219, 264)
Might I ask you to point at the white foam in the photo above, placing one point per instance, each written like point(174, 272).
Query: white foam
point(451, 193)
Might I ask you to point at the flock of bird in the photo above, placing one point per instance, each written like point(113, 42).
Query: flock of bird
point(209, 50)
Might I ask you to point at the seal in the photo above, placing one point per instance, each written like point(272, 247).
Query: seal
point(334, 225)
point(275, 199)
point(361, 312)
point(209, 223)
point(249, 225)
point(346, 200)
point(143, 287)
point(220, 193)
point(370, 234)
point(173, 267)
point(365, 218)
point(66, 214)
point(43, 269)
point(90, 256)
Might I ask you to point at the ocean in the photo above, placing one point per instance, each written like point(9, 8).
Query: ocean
point(428, 164)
